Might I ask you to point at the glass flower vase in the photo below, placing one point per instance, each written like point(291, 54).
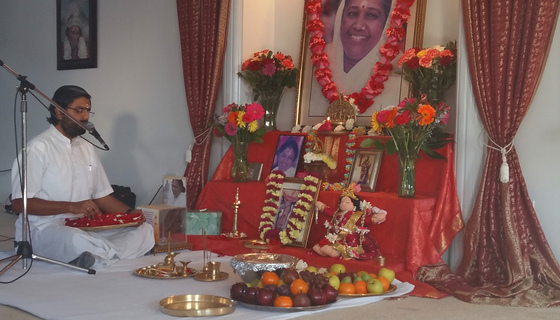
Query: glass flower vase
point(240, 167)
point(407, 174)
point(270, 100)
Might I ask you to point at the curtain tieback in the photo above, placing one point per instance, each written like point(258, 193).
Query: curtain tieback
point(504, 168)
point(205, 134)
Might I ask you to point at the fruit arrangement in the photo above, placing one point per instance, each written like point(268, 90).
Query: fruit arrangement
point(362, 282)
point(290, 289)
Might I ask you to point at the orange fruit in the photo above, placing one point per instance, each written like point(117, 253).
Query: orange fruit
point(269, 277)
point(361, 286)
point(385, 282)
point(373, 275)
point(347, 288)
point(297, 286)
point(283, 301)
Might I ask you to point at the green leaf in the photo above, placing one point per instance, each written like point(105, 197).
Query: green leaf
point(390, 147)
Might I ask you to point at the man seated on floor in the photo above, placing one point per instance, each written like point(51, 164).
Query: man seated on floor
point(65, 179)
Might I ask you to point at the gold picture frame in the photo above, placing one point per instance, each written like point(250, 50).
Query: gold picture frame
point(365, 168)
point(309, 100)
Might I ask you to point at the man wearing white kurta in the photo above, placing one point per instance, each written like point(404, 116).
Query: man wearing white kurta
point(65, 179)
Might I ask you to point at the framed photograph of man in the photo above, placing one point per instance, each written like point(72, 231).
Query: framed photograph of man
point(365, 168)
point(354, 32)
point(76, 34)
point(288, 198)
point(287, 154)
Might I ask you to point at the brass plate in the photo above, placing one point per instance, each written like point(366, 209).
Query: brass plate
point(154, 273)
point(196, 305)
point(281, 309)
point(202, 277)
point(258, 244)
point(356, 295)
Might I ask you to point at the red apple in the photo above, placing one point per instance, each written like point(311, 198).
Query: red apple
point(265, 297)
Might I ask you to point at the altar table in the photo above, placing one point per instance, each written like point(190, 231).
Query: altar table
point(417, 230)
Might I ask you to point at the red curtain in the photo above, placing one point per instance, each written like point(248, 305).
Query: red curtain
point(506, 258)
point(203, 30)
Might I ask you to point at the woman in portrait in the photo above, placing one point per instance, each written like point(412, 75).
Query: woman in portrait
point(74, 43)
point(179, 198)
point(359, 33)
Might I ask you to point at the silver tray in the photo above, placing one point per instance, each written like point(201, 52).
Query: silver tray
point(196, 305)
point(282, 309)
point(248, 265)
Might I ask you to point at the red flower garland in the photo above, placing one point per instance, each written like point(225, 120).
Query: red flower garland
point(381, 70)
point(107, 219)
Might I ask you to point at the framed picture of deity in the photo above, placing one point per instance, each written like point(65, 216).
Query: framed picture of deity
point(365, 168)
point(338, 63)
point(76, 34)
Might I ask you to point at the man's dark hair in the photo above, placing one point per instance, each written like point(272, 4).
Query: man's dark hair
point(64, 96)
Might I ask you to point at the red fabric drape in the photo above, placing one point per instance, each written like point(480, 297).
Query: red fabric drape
point(506, 258)
point(203, 30)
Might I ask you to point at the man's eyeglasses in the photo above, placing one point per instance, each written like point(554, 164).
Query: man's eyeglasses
point(82, 110)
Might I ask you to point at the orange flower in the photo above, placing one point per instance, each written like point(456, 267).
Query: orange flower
point(427, 114)
point(390, 118)
point(232, 117)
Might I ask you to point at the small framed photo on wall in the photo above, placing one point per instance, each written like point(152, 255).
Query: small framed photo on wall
point(286, 158)
point(76, 34)
point(365, 168)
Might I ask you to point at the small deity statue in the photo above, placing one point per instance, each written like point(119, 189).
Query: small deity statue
point(348, 235)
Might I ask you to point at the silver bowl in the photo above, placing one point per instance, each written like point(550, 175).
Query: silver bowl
point(250, 266)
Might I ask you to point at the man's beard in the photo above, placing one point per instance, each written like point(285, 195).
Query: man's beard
point(71, 128)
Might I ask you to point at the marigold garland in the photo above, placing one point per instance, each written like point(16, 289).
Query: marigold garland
point(381, 70)
point(301, 209)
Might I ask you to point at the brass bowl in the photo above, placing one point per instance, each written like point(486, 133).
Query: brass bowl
point(196, 305)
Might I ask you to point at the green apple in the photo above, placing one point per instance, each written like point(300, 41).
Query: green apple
point(338, 268)
point(365, 276)
point(311, 269)
point(374, 286)
point(387, 274)
point(334, 281)
point(346, 279)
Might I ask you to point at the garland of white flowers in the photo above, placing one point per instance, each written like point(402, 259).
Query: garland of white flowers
point(300, 211)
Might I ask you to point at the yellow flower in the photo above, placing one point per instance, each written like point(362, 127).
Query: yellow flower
point(253, 126)
point(421, 53)
point(240, 122)
point(375, 126)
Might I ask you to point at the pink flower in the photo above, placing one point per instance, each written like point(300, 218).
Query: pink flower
point(402, 118)
point(230, 129)
point(254, 112)
point(269, 69)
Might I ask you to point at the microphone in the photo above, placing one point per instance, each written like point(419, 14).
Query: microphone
point(91, 128)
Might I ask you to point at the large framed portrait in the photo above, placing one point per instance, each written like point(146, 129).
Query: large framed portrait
point(287, 154)
point(288, 198)
point(354, 31)
point(76, 34)
point(365, 168)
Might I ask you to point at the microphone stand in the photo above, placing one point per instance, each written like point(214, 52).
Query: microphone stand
point(24, 250)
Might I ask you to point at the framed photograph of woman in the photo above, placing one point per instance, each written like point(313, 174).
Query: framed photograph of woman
point(354, 32)
point(76, 34)
point(287, 154)
point(365, 168)
point(288, 198)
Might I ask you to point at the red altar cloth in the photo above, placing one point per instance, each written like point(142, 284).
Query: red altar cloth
point(417, 230)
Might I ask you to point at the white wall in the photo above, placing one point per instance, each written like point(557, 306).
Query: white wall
point(137, 88)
